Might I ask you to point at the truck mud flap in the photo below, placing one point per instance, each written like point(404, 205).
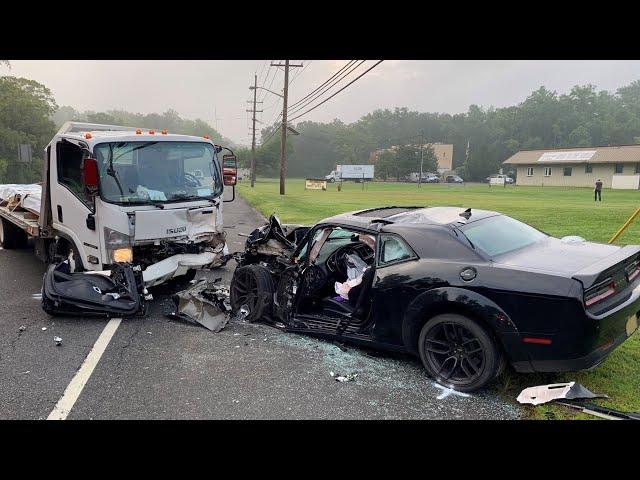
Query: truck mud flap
point(90, 295)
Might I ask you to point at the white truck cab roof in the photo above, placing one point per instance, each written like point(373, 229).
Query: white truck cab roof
point(93, 133)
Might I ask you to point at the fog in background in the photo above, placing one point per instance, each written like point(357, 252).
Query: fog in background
point(217, 91)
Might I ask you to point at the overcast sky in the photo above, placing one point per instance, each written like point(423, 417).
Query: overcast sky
point(207, 89)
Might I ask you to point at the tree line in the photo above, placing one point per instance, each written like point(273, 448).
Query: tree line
point(482, 138)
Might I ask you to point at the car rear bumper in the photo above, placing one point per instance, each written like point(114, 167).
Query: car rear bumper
point(611, 330)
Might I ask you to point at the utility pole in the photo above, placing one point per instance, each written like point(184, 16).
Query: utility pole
point(253, 141)
point(421, 158)
point(283, 134)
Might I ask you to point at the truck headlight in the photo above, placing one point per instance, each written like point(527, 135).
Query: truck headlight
point(118, 246)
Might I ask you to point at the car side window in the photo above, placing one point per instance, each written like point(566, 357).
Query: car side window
point(393, 249)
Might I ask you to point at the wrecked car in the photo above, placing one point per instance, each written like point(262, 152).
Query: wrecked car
point(467, 291)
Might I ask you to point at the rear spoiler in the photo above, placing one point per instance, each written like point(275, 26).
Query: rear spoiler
point(602, 268)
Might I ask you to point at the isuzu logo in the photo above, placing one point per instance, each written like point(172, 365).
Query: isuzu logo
point(173, 231)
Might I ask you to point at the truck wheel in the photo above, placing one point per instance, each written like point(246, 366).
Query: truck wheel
point(11, 236)
point(252, 286)
point(458, 352)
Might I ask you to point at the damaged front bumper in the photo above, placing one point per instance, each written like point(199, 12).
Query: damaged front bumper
point(177, 265)
point(118, 294)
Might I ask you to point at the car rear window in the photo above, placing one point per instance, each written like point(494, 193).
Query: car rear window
point(500, 234)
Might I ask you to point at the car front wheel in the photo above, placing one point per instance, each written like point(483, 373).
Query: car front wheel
point(458, 352)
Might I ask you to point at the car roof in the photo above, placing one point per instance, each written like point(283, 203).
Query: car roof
point(417, 217)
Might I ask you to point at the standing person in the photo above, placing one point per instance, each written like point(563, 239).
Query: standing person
point(597, 191)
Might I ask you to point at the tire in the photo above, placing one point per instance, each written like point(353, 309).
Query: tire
point(253, 286)
point(11, 236)
point(458, 352)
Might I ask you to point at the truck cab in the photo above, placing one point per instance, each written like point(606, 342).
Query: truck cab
point(115, 194)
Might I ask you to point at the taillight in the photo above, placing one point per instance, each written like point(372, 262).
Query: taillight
point(599, 293)
point(632, 270)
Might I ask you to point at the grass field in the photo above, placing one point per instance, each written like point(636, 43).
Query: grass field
point(557, 211)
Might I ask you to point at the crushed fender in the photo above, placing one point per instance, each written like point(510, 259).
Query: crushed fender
point(119, 294)
point(546, 393)
point(204, 303)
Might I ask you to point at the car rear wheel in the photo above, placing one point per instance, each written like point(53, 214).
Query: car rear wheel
point(458, 352)
point(252, 287)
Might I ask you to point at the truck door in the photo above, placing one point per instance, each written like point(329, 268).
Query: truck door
point(69, 207)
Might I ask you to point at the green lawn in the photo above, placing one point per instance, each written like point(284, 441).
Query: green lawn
point(557, 211)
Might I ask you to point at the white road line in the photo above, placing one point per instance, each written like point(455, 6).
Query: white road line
point(74, 389)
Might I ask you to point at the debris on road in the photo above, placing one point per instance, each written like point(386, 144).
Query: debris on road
point(205, 303)
point(44, 328)
point(58, 340)
point(546, 393)
point(350, 377)
point(22, 328)
point(446, 391)
point(111, 293)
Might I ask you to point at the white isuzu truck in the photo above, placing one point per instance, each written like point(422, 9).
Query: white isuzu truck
point(120, 195)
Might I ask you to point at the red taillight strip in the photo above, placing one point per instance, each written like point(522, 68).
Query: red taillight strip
point(610, 291)
point(539, 341)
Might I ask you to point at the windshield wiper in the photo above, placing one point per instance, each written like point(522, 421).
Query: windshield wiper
point(155, 203)
point(111, 172)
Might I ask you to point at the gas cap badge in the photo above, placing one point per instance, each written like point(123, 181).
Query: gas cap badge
point(468, 274)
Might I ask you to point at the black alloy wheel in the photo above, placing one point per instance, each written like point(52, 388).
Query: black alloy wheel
point(458, 352)
point(252, 287)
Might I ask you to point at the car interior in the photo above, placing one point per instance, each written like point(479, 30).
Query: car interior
point(329, 262)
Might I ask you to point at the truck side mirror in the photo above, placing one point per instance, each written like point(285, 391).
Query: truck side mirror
point(90, 177)
point(230, 170)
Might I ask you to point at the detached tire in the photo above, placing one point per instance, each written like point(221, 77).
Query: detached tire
point(12, 237)
point(458, 352)
point(253, 286)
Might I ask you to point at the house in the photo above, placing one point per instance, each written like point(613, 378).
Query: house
point(617, 167)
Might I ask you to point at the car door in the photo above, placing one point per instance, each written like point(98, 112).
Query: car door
point(391, 291)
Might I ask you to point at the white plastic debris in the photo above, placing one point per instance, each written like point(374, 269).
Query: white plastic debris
point(58, 340)
point(22, 328)
point(546, 393)
point(350, 377)
point(44, 328)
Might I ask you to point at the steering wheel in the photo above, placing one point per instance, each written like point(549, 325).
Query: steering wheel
point(191, 180)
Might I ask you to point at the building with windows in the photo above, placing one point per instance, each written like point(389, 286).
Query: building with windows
point(617, 167)
point(442, 151)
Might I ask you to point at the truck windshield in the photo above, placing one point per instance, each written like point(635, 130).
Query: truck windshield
point(501, 234)
point(139, 172)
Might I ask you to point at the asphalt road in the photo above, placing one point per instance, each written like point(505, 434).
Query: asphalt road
point(156, 368)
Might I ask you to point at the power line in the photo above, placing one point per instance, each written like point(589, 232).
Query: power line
point(326, 88)
point(333, 95)
point(322, 85)
point(264, 142)
point(299, 72)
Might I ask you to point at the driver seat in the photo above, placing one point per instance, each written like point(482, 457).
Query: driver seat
point(354, 307)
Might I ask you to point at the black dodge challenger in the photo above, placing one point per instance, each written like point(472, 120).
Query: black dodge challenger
point(466, 290)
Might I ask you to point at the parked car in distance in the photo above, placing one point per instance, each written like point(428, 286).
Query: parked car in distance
point(453, 179)
point(465, 290)
point(431, 179)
